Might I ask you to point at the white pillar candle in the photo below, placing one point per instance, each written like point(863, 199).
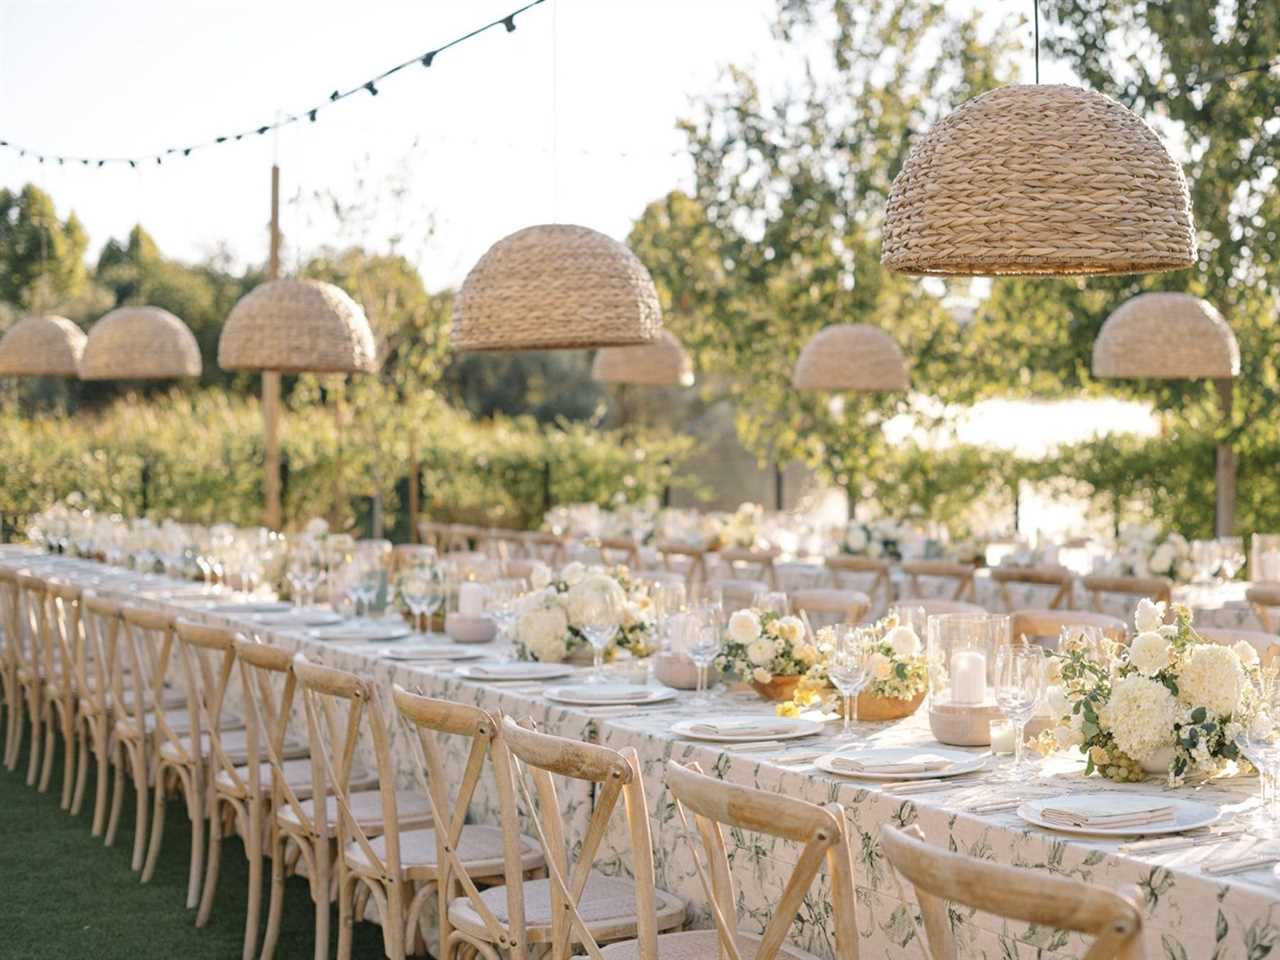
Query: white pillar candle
point(968, 676)
point(1001, 737)
point(471, 599)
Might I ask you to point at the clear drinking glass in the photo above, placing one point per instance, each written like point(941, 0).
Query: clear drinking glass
point(1259, 741)
point(423, 593)
point(848, 670)
point(703, 637)
point(771, 600)
point(601, 614)
point(1019, 683)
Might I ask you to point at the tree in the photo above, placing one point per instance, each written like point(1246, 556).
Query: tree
point(41, 256)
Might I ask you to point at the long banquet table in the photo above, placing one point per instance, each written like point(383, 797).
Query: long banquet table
point(1188, 914)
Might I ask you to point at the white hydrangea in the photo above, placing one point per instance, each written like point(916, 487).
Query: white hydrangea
point(583, 596)
point(1140, 715)
point(1162, 559)
point(744, 626)
point(856, 539)
point(1211, 678)
point(904, 641)
point(539, 575)
point(1247, 653)
point(544, 631)
point(880, 665)
point(573, 573)
point(1149, 653)
point(761, 650)
point(1149, 616)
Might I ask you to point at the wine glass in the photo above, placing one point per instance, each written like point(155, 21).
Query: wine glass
point(599, 619)
point(848, 670)
point(702, 640)
point(1019, 683)
point(1259, 741)
point(502, 601)
point(774, 601)
point(422, 593)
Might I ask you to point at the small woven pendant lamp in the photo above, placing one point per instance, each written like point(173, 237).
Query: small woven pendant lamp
point(297, 326)
point(662, 363)
point(1175, 336)
point(851, 356)
point(41, 346)
point(139, 343)
point(1031, 180)
point(552, 287)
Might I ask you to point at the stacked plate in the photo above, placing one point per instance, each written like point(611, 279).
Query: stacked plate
point(900, 763)
point(609, 694)
point(357, 631)
point(516, 670)
point(745, 728)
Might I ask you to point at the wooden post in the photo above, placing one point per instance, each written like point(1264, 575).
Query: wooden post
point(413, 486)
point(1225, 514)
point(271, 515)
point(779, 481)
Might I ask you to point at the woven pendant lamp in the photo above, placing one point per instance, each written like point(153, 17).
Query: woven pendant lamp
point(296, 326)
point(139, 343)
point(662, 363)
point(851, 356)
point(1167, 336)
point(556, 286)
point(1032, 180)
point(41, 346)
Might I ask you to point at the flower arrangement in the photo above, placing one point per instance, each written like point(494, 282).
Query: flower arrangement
point(549, 620)
point(1140, 553)
point(898, 665)
point(763, 647)
point(1170, 702)
point(738, 530)
point(878, 539)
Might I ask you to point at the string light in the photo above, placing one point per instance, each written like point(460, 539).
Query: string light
point(370, 86)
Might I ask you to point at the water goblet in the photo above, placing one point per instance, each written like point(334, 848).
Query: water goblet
point(849, 672)
point(1019, 683)
point(600, 616)
point(702, 640)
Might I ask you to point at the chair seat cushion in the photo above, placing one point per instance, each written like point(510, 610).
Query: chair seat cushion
point(412, 810)
point(479, 849)
point(608, 906)
point(697, 945)
point(234, 745)
point(297, 773)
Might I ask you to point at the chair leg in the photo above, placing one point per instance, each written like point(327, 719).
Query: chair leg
point(275, 905)
point(33, 710)
point(196, 811)
point(157, 828)
point(320, 891)
point(142, 814)
point(346, 922)
point(46, 766)
point(120, 764)
point(104, 768)
point(82, 768)
point(69, 757)
point(393, 929)
point(253, 846)
point(212, 866)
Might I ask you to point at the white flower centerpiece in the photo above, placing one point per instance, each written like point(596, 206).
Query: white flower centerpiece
point(879, 540)
point(739, 530)
point(1140, 552)
point(1170, 703)
point(550, 617)
point(769, 651)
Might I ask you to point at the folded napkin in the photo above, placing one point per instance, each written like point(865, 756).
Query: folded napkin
point(1108, 812)
point(1249, 861)
point(919, 763)
point(501, 671)
point(740, 728)
point(620, 695)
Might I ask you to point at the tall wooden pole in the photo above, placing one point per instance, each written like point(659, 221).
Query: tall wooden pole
point(1225, 515)
point(271, 383)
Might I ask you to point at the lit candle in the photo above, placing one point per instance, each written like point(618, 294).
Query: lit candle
point(471, 599)
point(968, 676)
point(1001, 737)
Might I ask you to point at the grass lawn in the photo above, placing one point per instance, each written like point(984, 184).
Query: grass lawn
point(64, 895)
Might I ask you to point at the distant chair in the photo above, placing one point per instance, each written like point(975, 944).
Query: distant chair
point(1264, 597)
point(751, 565)
point(825, 605)
point(1012, 893)
point(687, 558)
point(1047, 624)
point(433, 534)
point(618, 550)
point(1058, 577)
point(550, 548)
point(880, 590)
point(405, 555)
point(933, 607)
point(958, 575)
point(1159, 589)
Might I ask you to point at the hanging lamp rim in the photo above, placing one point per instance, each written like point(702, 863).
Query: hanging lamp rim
point(41, 345)
point(851, 358)
point(140, 342)
point(1166, 335)
point(662, 363)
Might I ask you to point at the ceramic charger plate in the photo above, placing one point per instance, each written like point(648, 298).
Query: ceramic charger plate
point(1187, 814)
point(372, 632)
point(427, 653)
point(746, 728)
point(311, 617)
point(516, 670)
point(609, 694)
point(264, 606)
point(961, 762)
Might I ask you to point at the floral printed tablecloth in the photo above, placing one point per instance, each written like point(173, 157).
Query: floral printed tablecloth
point(1188, 914)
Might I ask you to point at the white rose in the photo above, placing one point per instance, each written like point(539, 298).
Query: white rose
point(761, 651)
point(744, 627)
point(316, 527)
point(1162, 559)
point(791, 629)
point(1149, 653)
point(543, 632)
point(593, 589)
point(856, 538)
point(573, 573)
point(539, 575)
point(874, 549)
point(761, 676)
point(1247, 653)
point(904, 641)
point(1149, 616)
point(807, 654)
point(881, 666)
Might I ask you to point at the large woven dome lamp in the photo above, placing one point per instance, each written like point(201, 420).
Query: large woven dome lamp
point(1175, 336)
point(851, 356)
point(139, 343)
point(662, 363)
point(556, 287)
point(1038, 180)
point(41, 346)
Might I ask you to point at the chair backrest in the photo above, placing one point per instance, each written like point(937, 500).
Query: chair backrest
point(880, 587)
point(207, 655)
point(1059, 577)
point(689, 559)
point(752, 564)
point(821, 829)
point(543, 545)
point(1264, 597)
point(959, 575)
point(338, 706)
point(849, 606)
point(33, 615)
point(1014, 893)
point(737, 594)
point(1041, 624)
point(64, 651)
point(149, 642)
point(429, 718)
point(405, 555)
point(1097, 586)
point(100, 620)
point(10, 640)
point(933, 607)
point(615, 550)
point(433, 534)
point(266, 675)
point(616, 775)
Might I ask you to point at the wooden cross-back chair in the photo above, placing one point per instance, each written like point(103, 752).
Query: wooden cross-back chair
point(825, 605)
point(550, 548)
point(468, 856)
point(63, 654)
point(1159, 589)
point(32, 622)
point(1263, 597)
point(820, 830)
point(1059, 578)
point(1042, 625)
point(10, 663)
point(433, 534)
point(100, 619)
point(879, 590)
point(576, 907)
point(689, 559)
point(751, 564)
point(1012, 893)
point(617, 550)
point(958, 575)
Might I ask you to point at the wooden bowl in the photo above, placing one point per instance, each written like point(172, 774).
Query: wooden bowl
point(778, 689)
point(887, 708)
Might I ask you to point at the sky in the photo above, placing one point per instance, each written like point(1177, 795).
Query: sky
point(594, 85)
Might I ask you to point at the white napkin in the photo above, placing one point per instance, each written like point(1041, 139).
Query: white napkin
point(503, 671)
point(918, 763)
point(764, 727)
point(607, 694)
point(1108, 812)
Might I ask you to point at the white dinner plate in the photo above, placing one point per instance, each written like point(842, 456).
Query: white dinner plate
point(961, 762)
point(261, 606)
point(517, 670)
point(609, 694)
point(360, 632)
point(300, 618)
point(429, 653)
point(767, 728)
point(1187, 815)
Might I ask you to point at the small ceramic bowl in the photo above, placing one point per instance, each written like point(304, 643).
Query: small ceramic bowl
point(678, 671)
point(462, 628)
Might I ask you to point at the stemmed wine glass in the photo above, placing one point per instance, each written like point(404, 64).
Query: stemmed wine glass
point(600, 616)
point(1259, 741)
point(1019, 683)
point(423, 593)
point(502, 602)
point(848, 670)
point(703, 637)
point(771, 600)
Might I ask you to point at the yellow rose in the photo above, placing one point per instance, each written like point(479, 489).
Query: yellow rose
point(881, 666)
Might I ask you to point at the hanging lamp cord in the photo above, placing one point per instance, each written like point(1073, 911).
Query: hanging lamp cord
point(1035, 19)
